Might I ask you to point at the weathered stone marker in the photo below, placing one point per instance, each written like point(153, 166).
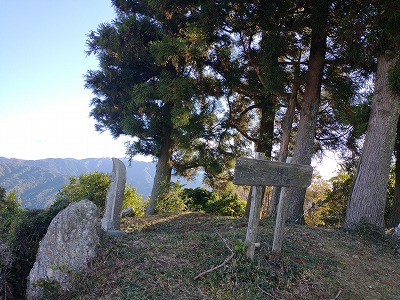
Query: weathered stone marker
point(115, 196)
point(258, 172)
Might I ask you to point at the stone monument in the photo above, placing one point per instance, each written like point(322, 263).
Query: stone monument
point(115, 196)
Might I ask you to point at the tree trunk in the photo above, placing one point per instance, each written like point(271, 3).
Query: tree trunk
point(368, 196)
point(285, 140)
point(266, 136)
point(303, 149)
point(267, 123)
point(394, 215)
point(163, 171)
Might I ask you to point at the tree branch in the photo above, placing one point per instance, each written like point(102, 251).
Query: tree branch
point(220, 265)
point(215, 268)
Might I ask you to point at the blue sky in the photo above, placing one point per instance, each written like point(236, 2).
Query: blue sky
point(44, 107)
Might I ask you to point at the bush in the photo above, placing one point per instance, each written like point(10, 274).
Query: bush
point(331, 210)
point(172, 199)
point(196, 199)
point(224, 204)
point(131, 199)
point(10, 212)
point(6, 259)
point(94, 186)
point(91, 186)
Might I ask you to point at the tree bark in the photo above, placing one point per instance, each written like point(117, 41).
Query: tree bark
point(303, 149)
point(285, 140)
point(368, 196)
point(163, 171)
point(267, 123)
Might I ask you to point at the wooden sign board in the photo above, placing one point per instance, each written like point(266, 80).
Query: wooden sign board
point(259, 172)
point(255, 172)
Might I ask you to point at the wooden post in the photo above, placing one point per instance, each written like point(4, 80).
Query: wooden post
point(254, 215)
point(276, 195)
point(279, 225)
point(256, 172)
point(280, 221)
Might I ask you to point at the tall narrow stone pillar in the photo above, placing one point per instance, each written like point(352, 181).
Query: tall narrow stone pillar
point(115, 196)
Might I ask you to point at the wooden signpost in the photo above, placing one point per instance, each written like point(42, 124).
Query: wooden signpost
point(259, 173)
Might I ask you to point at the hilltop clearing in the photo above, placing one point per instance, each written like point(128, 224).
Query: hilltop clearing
point(160, 257)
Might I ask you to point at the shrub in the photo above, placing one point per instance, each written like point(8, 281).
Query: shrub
point(131, 199)
point(10, 211)
point(6, 259)
point(196, 199)
point(91, 186)
point(331, 210)
point(94, 186)
point(171, 200)
point(224, 204)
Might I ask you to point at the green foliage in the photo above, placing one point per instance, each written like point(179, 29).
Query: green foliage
point(196, 199)
point(315, 195)
point(240, 246)
point(94, 186)
point(154, 85)
point(174, 199)
point(331, 210)
point(131, 199)
point(6, 260)
point(10, 213)
point(329, 202)
point(224, 203)
point(91, 186)
point(171, 200)
point(50, 288)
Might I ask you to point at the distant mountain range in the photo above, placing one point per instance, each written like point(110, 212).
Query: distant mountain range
point(38, 181)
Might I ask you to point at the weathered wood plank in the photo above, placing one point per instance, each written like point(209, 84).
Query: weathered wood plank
point(250, 171)
point(257, 194)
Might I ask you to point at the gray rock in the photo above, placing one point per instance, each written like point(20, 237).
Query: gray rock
point(70, 243)
point(127, 211)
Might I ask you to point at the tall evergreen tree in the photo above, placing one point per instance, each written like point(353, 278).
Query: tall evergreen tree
point(149, 87)
point(378, 27)
point(308, 116)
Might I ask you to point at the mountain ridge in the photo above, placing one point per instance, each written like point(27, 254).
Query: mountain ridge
point(38, 181)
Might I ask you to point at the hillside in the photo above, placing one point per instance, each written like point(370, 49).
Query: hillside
point(38, 181)
point(36, 186)
point(160, 257)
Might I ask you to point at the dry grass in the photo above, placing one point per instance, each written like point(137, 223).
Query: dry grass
point(160, 256)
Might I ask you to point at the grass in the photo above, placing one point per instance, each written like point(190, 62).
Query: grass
point(160, 256)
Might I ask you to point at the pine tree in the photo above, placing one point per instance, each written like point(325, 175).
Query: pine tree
point(368, 196)
point(308, 116)
point(149, 87)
